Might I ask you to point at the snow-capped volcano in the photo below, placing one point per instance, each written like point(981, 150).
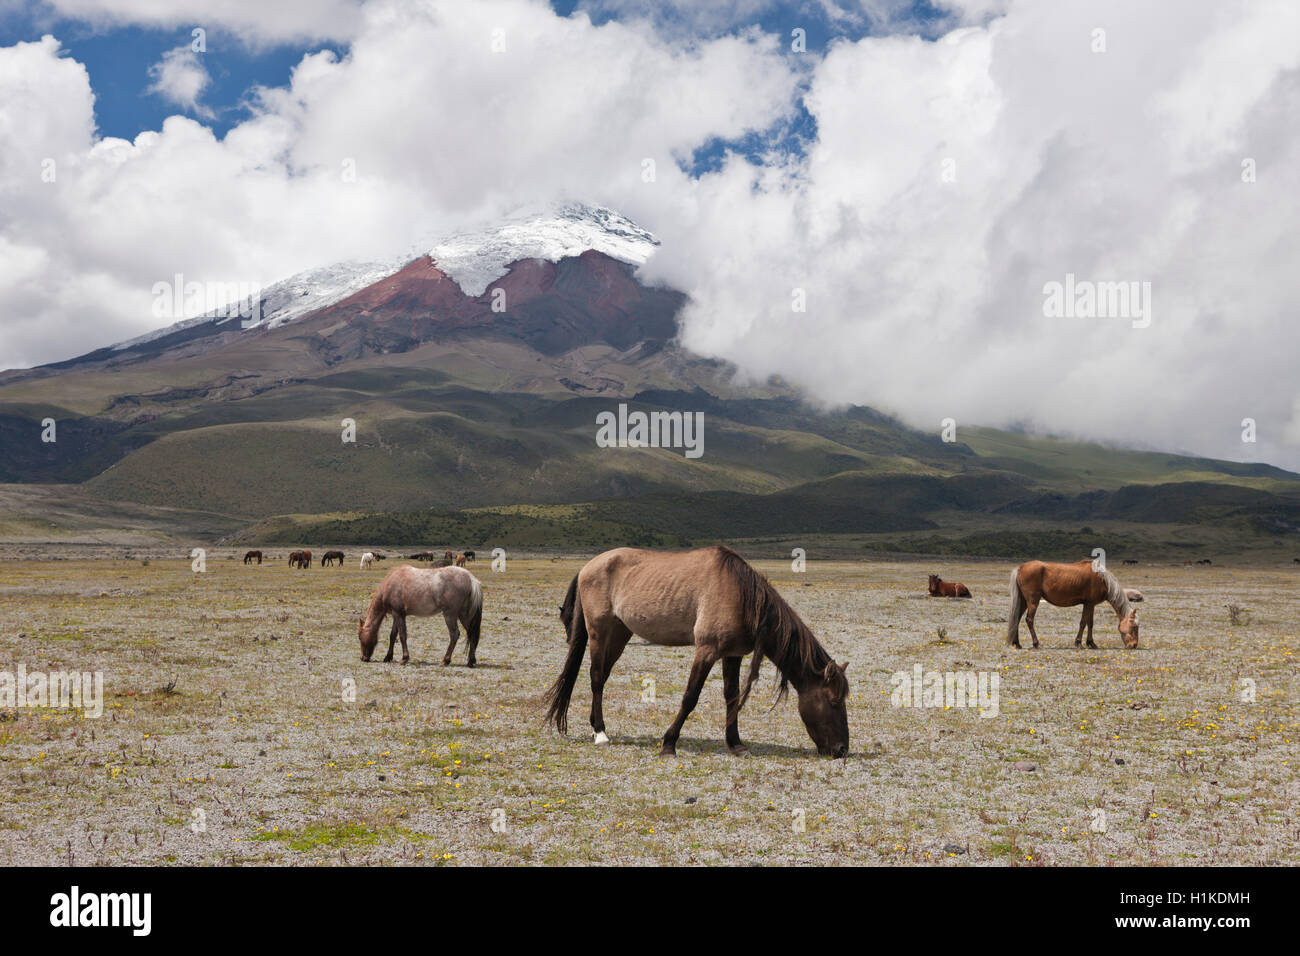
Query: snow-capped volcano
point(472, 259)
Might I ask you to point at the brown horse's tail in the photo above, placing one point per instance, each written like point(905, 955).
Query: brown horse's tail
point(1017, 608)
point(575, 626)
point(475, 610)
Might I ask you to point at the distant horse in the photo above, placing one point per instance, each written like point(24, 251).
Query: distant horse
point(1066, 585)
point(331, 556)
point(421, 556)
point(461, 560)
point(380, 557)
point(941, 588)
point(1205, 561)
point(367, 560)
point(250, 555)
point(296, 559)
point(712, 599)
point(306, 560)
point(469, 556)
point(1130, 560)
point(453, 592)
point(447, 560)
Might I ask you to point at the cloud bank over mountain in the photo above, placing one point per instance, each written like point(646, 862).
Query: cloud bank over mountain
point(942, 184)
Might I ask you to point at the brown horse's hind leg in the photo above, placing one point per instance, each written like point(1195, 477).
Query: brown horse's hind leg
point(731, 694)
point(1083, 622)
point(1029, 619)
point(704, 658)
point(607, 642)
point(453, 628)
point(1088, 613)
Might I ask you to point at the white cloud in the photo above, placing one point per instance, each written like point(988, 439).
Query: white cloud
point(257, 22)
point(180, 78)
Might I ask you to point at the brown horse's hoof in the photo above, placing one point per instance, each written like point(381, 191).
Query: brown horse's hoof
point(446, 661)
point(388, 659)
point(406, 660)
point(471, 663)
point(740, 750)
point(668, 750)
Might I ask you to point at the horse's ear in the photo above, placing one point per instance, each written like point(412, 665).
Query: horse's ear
point(844, 667)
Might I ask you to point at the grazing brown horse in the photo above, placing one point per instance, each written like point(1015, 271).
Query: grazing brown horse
point(1066, 585)
point(462, 559)
point(453, 592)
point(941, 588)
point(709, 598)
point(295, 559)
point(331, 556)
point(250, 555)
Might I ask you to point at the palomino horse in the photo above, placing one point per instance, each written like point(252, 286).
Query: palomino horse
point(941, 588)
point(367, 560)
point(453, 592)
point(1066, 585)
point(331, 556)
point(250, 555)
point(709, 598)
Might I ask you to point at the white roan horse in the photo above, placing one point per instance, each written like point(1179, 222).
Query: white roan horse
point(450, 591)
point(367, 560)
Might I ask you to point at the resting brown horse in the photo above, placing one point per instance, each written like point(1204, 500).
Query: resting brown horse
point(330, 557)
point(711, 599)
point(941, 588)
point(250, 555)
point(421, 556)
point(1066, 585)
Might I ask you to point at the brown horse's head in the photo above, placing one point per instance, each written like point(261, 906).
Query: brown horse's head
point(822, 707)
point(934, 584)
point(1128, 629)
point(368, 641)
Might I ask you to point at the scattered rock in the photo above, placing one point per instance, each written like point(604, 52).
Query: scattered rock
point(1026, 766)
point(953, 848)
point(691, 799)
point(1120, 761)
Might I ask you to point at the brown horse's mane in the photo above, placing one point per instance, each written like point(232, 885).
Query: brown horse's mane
point(779, 632)
point(377, 610)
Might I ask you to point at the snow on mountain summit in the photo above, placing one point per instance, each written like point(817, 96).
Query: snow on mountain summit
point(473, 260)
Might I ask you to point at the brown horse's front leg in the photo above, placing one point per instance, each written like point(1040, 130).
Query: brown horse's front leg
point(392, 636)
point(1029, 619)
point(694, 684)
point(454, 630)
point(730, 696)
